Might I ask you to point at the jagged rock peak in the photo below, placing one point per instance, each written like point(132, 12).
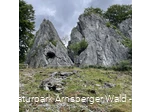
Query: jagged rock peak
point(105, 46)
point(48, 49)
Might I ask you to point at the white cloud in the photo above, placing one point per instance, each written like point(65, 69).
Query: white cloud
point(46, 11)
point(64, 13)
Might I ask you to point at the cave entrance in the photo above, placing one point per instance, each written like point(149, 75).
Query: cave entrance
point(50, 55)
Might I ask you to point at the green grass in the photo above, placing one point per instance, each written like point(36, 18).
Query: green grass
point(80, 85)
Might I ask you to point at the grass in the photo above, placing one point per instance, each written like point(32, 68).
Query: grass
point(83, 84)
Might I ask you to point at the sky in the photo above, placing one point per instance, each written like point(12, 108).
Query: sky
point(64, 13)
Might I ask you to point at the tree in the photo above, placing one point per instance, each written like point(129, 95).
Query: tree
point(117, 13)
point(90, 10)
point(26, 27)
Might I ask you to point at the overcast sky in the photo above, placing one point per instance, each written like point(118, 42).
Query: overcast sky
point(64, 13)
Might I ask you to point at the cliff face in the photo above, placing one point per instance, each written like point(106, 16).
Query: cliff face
point(105, 46)
point(48, 49)
point(126, 27)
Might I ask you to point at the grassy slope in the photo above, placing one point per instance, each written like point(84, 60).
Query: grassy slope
point(80, 84)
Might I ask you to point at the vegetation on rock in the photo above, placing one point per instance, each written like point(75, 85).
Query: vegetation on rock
point(90, 10)
point(78, 47)
point(54, 42)
point(117, 13)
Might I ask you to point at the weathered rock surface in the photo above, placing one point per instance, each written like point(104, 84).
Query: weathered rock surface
point(55, 81)
point(48, 49)
point(105, 46)
point(109, 85)
point(126, 27)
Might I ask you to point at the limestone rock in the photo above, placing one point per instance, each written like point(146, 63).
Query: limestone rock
point(55, 81)
point(48, 49)
point(126, 27)
point(105, 46)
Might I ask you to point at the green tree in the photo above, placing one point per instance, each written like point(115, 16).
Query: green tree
point(26, 27)
point(117, 13)
point(90, 10)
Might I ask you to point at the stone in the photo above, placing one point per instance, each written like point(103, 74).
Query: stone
point(109, 85)
point(59, 90)
point(105, 47)
point(55, 81)
point(126, 27)
point(48, 49)
point(98, 85)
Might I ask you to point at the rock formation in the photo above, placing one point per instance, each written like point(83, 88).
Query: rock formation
point(55, 81)
point(126, 27)
point(105, 47)
point(48, 49)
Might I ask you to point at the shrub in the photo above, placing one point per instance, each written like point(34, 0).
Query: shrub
point(124, 65)
point(79, 47)
point(108, 24)
point(90, 10)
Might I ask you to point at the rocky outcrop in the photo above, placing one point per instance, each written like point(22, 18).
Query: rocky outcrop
point(55, 81)
point(126, 27)
point(105, 46)
point(48, 49)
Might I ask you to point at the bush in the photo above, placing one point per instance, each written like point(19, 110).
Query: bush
point(79, 47)
point(123, 66)
point(90, 10)
point(108, 24)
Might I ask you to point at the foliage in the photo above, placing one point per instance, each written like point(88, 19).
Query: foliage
point(26, 27)
point(90, 10)
point(108, 24)
point(124, 65)
point(54, 42)
point(130, 54)
point(117, 13)
point(79, 46)
point(114, 27)
point(127, 42)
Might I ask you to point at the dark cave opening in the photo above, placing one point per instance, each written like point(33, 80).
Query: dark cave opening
point(50, 54)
